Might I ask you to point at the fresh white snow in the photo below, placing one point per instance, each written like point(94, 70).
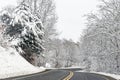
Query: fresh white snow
point(108, 74)
point(12, 64)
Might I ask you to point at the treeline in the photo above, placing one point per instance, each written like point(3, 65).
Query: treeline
point(100, 43)
point(61, 53)
point(33, 25)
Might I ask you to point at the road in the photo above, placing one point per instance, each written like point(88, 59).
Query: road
point(89, 76)
point(62, 75)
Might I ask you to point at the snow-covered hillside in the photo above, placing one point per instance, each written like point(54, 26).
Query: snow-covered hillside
point(12, 64)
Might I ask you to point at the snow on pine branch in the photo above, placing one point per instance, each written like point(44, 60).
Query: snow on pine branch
point(23, 28)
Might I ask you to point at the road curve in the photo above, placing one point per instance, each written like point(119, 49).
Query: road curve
point(62, 75)
point(89, 76)
point(48, 75)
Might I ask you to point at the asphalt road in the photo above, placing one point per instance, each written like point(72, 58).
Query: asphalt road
point(89, 76)
point(48, 75)
point(62, 75)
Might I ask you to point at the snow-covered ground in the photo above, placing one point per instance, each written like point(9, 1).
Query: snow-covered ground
point(12, 64)
point(108, 74)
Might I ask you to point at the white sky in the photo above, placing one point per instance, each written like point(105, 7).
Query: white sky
point(71, 20)
point(4, 3)
point(70, 12)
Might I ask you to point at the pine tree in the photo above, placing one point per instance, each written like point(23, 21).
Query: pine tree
point(26, 28)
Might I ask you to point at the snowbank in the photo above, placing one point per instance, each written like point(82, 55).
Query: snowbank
point(108, 74)
point(12, 64)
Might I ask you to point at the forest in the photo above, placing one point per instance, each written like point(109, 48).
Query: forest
point(30, 28)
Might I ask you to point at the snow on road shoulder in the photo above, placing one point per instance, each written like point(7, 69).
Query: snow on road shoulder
point(108, 74)
point(12, 64)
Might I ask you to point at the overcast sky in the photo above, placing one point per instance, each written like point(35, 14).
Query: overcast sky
point(70, 12)
point(71, 20)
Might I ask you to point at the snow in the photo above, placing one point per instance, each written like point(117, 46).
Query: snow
point(108, 74)
point(47, 65)
point(15, 42)
point(12, 64)
point(4, 12)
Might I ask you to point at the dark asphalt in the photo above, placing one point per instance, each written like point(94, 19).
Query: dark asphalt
point(48, 75)
point(87, 76)
point(62, 74)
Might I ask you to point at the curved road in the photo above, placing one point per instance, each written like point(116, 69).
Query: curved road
point(89, 76)
point(62, 75)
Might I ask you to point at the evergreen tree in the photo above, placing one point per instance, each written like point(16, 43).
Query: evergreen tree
point(26, 29)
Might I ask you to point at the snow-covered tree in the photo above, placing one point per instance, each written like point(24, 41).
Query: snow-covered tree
point(45, 10)
point(63, 53)
point(26, 29)
point(101, 41)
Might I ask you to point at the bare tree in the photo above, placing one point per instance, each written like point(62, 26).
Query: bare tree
point(102, 38)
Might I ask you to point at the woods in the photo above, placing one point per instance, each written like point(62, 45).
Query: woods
point(101, 42)
point(31, 29)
